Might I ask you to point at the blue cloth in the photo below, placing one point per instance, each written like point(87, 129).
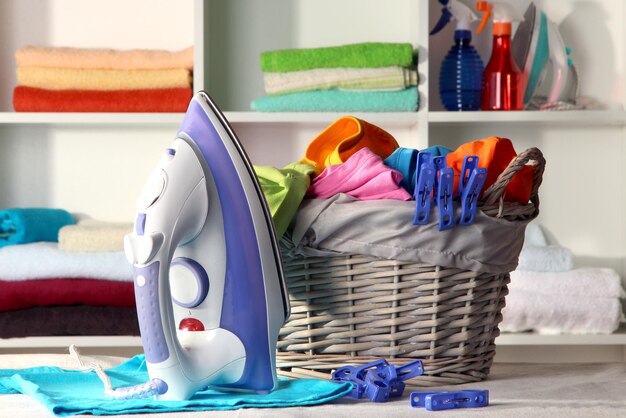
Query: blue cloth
point(26, 225)
point(71, 392)
point(340, 101)
point(404, 160)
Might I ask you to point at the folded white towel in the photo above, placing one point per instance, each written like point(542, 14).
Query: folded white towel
point(382, 78)
point(589, 282)
point(556, 314)
point(534, 235)
point(44, 260)
point(545, 258)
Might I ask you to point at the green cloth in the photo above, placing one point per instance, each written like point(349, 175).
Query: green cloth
point(368, 54)
point(339, 101)
point(284, 190)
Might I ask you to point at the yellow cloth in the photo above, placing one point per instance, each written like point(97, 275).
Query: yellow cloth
point(344, 137)
point(80, 79)
point(132, 59)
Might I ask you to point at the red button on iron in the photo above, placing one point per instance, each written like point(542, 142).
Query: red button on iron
point(191, 324)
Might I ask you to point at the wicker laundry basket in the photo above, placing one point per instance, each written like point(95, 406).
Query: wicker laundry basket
point(352, 309)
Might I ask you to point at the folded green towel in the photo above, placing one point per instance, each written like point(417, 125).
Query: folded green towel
point(26, 225)
point(369, 54)
point(340, 101)
point(284, 190)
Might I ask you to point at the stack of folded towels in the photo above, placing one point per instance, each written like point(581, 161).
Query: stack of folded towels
point(548, 296)
point(364, 77)
point(60, 277)
point(61, 79)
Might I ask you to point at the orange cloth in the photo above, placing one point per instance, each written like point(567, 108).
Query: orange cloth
point(494, 154)
point(344, 137)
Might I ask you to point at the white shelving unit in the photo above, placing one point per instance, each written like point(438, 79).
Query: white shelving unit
point(89, 162)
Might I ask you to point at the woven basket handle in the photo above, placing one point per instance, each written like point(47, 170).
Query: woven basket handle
point(532, 155)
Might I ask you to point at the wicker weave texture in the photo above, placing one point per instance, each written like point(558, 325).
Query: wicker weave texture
point(360, 307)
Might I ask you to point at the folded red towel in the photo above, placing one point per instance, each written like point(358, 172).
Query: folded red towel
point(30, 99)
point(47, 292)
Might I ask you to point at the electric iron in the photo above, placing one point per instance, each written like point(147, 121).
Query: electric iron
point(209, 285)
point(539, 50)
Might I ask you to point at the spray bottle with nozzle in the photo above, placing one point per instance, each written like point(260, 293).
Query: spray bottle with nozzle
point(460, 77)
point(503, 82)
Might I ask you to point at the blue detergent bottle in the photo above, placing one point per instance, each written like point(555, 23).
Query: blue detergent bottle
point(460, 77)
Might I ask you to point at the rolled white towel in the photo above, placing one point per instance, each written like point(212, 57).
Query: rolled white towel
point(44, 260)
point(545, 258)
point(584, 282)
point(557, 314)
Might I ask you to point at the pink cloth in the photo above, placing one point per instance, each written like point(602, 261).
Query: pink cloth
point(363, 176)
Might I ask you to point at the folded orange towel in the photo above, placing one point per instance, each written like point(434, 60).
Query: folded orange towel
point(64, 57)
point(343, 138)
point(30, 99)
point(494, 154)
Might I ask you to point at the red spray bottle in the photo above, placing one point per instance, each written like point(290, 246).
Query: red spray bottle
point(503, 83)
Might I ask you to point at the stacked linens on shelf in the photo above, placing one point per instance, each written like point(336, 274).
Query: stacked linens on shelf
point(364, 77)
point(548, 295)
point(64, 79)
point(82, 285)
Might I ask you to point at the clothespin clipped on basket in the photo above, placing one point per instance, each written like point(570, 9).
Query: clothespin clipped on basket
point(470, 185)
point(445, 203)
point(438, 401)
point(425, 175)
point(378, 380)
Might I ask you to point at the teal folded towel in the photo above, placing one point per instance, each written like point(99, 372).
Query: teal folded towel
point(367, 54)
point(340, 101)
point(26, 225)
point(72, 392)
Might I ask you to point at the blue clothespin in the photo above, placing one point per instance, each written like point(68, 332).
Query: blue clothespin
point(437, 401)
point(356, 375)
point(470, 162)
point(445, 203)
point(378, 380)
point(469, 197)
point(424, 186)
point(440, 163)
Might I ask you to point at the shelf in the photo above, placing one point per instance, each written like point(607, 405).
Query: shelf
point(570, 117)
point(406, 119)
point(27, 118)
point(516, 339)
point(505, 339)
point(80, 341)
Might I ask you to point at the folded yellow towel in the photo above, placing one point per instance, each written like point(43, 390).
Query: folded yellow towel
point(94, 236)
point(77, 79)
point(64, 57)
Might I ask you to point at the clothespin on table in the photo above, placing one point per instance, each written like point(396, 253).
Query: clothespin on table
point(378, 380)
point(437, 401)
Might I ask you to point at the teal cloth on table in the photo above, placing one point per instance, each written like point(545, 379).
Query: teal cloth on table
point(340, 101)
point(367, 54)
point(26, 225)
point(284, 189)
point(73, 392)
point(404, 160)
